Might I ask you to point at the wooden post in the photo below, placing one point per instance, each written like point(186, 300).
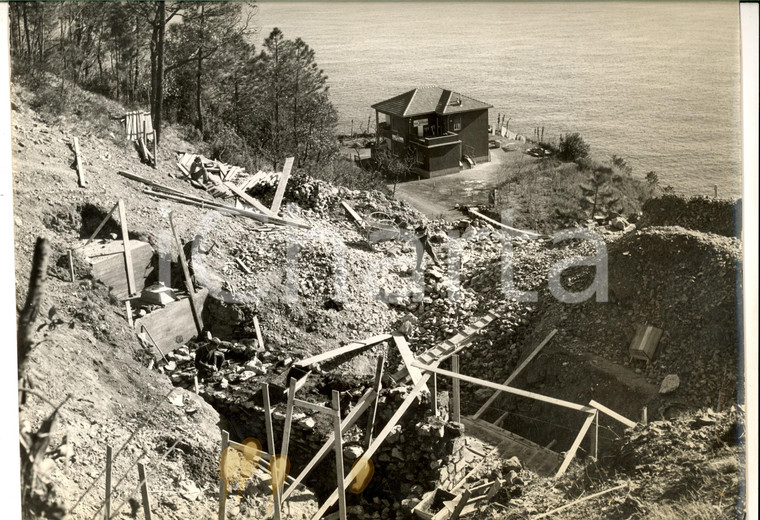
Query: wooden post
point(145, 134)
point(128, 312)
point(715, 187)
point(80, 164)
point(109, 462)
point(195, 381)
point(102, 223)
point(276, 488)
point(288, 417)
point(339, 454)
point(571, 452)
point(455, 398)
point(155, 150)
point(71, 266)
point(460, 505)
point(223, 485)
point(259, 337)
point(594, 451)
point(373, 411)
point(280, 192)
point(188, 280)
point(144, 490)
point(644, 416)
point(131, 286)
point(434, 395)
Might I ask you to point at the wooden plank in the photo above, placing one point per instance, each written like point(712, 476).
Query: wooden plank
point(348, 422)
point(144, 491)
point(508, 389)
point(338, 432)
point(627, 422)
point(131, 286)
point(173, 325)
point(250, 200)
point(354, 215)
point(244, 267)
point(594, 450)
point(223, 486)
point(224, 209)
point(259, 337)
point(188, 280)
point(102, 223)
point(456, 416)
point(516, 231)
point(80, 164)
point(288, 417)
point(460, 505)
point(574, 502)
point(280, 192)
point(410, 398)
point(433, 395)
point(148, 182)
point(109, 468)
point(571, 452)
point(312, 406)
point(276, 488)
point(351, 347)
point(407, 357)
point(516, 372)
point(372, 414)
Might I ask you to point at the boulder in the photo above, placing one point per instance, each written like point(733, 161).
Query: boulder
point(669, 384)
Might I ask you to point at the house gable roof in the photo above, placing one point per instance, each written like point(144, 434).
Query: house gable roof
point(427, 100)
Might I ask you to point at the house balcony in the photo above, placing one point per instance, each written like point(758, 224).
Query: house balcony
point(433, 142)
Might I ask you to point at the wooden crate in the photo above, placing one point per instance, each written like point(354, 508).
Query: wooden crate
point(644, 343)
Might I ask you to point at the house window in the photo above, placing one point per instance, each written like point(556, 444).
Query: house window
point(456, 123)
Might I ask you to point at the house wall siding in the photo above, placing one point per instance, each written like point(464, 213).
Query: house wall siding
point(474, 133)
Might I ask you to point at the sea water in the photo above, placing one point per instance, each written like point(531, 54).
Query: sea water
point(656, 83)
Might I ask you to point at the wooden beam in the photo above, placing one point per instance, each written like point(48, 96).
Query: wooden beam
point(433, 395)
point(132, 287)
point(231, 210)
point(594, 451)
point(223, 485)
point(505, 227)
point(351, 347)
point(102, 223)
point(407, 357)
point(410, 398)
point(188, 280)
point(276, 488)
point(574, 502)
point(627, 422)
point(80, 164)
point(288, 417)
point(312, 406)
point(347, 423)
point(148, 182)
point(370, 431)
point(339, 454)
point(259, 337)
point(460, 505)
point(144, 491)
point(507, 389)
point(280, 192)
point(456, 417)
point(571, 452)
point(354, 215)
point(250, 200)
point(514, 374)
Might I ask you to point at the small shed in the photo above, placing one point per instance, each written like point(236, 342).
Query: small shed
point(644, 343)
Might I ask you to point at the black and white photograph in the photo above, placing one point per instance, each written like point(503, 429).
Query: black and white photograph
point(385, 260)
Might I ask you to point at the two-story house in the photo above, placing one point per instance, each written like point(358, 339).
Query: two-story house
point(440, 128)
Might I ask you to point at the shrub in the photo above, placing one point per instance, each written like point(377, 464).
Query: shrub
point(572, 147)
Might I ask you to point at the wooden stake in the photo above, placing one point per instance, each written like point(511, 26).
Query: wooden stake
point(288, 417)
point(102, 223)
point(80, 164)
point(434, 395)
point(571, 452)
point(188, 280)
point(455, 398)
point(109, 463)
point(259, 337)
point(71, 266)
point(156, 345)
point(155, 150)
point(128, 311)
point(131, 286)
point(144, 490)
point(195, 380)
point(339, 454)
point(284, 176)
point(594, 451)
point(373, 411)
point(276, 489)
point(644, 418)
point(223, 485)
